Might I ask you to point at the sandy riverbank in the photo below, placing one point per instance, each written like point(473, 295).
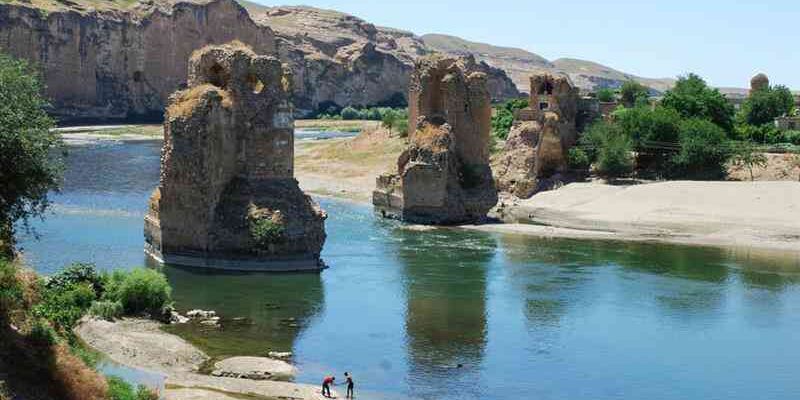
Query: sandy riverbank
point(141, 344)
point(763, 215)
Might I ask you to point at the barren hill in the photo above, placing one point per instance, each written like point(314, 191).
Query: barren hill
point(519, 64)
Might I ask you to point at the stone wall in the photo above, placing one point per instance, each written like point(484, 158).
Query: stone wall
point(227, 196)
point(535, 152)
point(444, 176)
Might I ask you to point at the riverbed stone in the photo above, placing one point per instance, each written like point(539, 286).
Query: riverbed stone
point(254, 368)
point(227, 198)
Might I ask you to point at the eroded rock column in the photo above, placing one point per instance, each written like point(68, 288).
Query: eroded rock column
point(227, 197)
point(444, 176)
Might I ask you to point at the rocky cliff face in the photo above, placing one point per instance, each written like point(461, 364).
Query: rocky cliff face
point(121, 59)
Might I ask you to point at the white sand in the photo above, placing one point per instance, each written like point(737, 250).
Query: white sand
point(750, 214)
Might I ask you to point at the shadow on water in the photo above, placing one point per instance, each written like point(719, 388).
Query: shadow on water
point(445, 280)
point(261, 312)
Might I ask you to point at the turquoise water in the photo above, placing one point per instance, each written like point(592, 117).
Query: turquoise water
point(453, 314)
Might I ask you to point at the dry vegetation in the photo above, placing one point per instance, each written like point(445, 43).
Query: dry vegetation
point(35, 369)
point(347, 167)
point(183, 103)
point(780, 167)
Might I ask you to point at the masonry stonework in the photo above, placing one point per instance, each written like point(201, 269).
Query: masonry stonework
point(444, 176)
point(537, 145)
point(227, 197)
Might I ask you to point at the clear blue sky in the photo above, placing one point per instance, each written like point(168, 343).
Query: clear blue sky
point(725, 41)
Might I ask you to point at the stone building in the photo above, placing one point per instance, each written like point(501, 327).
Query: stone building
point(536, 148)
point(759, 82)
point(444, 176)
point(227, 197)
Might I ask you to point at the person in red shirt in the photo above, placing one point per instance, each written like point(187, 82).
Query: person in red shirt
point(326, 385)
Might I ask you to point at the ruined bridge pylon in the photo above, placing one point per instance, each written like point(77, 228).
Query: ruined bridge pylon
point(227, 197)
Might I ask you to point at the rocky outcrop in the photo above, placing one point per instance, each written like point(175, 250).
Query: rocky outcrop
point(227, 197)
point(537, 145)
point(444, 176)
point(121, 63)
point(108, 60)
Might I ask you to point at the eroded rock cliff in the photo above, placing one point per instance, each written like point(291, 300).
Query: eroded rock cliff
point(227, 197)
point(121, 59)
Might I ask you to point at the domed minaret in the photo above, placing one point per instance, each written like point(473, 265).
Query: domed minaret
point(759, 82)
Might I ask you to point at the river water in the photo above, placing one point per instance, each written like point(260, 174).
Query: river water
point(454, 314)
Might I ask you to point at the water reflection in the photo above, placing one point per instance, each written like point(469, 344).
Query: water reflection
point(445, 277)
point(261, 312)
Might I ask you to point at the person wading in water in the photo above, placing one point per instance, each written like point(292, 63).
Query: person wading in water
point(348, 379)
point(326, 385)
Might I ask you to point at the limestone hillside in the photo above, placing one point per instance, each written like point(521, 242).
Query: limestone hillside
point(519, 64)
point(108, 59)
point(121, 59)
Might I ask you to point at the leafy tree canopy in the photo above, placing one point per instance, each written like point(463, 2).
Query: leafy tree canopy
point(763, 106)
point(693, 98)
point(29, 167)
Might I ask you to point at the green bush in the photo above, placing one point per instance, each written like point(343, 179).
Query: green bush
point(143, 291)
point(614, 157)
point(75, 274)
point(606, 95)
point(118, 389)
point(577, 159)
point(503, 117)
point(107, 310)
point(634, 94)
point(705, 150)
point(350, 113)
point(42, 333)
point(266, 231)
point(792, 137)
point(10, 288)
point(64, 306)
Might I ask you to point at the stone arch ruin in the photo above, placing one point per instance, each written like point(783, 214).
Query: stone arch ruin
point(444, 176)
point(227, 197)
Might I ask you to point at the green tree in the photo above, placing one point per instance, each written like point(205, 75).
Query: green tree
point(633, 93)
point(350, 113)
point(606, 95)
point(610, 147)
point(692, 98)
point(503, 116)
point(29, 166)
point(763, 106)
point(704, 151)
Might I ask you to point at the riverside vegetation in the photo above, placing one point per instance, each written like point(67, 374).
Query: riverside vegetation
point(39, 353)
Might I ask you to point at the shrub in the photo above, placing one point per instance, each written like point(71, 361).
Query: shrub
point(118, 389)
point(107, 310)
point(704, 151)
point(606, 95)
point(350, 113)
point(792, 137)
point(614, 157)
point(266, 231)
point(763, 106)
point(75, 274)
point(503, 117)
point(633, 93)
point(144, 291)
point(64, 306)
point(10, 288)
point(577, 159)
point(745, 155)
point(42, 334)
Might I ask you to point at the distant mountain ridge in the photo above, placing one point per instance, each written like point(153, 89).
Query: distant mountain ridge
point(520, 64)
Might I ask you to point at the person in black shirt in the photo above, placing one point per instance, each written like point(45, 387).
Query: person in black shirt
point(348, 379)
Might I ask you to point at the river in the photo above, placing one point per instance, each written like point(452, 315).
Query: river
point(454, 314)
